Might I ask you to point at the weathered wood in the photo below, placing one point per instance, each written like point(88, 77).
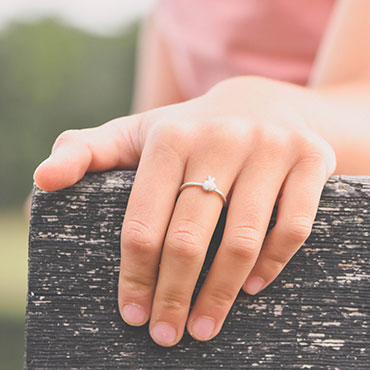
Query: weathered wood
point(315, 315)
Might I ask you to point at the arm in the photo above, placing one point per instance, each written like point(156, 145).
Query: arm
point(155, 83)
point(342, 117)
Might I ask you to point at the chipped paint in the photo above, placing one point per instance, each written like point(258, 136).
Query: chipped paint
point(314, 315)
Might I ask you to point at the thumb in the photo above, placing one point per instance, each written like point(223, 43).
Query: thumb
point(114, 144)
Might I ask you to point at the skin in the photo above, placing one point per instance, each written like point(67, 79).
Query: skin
point(264, 141)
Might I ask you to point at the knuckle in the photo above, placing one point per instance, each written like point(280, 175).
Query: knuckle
point(331, 160)
point(272, 142)
point(139, 283)
point(321, 160)
point(168, 141)
point(139, 236)
point(66, 136)
point(168, 151)
point(314, 148)
point(181, 245)
point(243, 241)
point(298, 229)
point(186, 240)
point(242, 251)
point(173, 301)
point(277, 259)
point(313, 159)
point(221, 130)
point(221, 297)
point(276, 138)
point(167, 131)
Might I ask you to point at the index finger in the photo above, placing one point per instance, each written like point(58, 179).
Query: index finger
point(147, 216)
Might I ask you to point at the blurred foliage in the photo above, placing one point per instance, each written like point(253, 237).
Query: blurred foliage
point(11, 344)
point(13, 263)
point(13, 285)
point(55, 77)
point(52, 77)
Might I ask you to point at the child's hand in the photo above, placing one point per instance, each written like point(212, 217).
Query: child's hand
point(250, 135)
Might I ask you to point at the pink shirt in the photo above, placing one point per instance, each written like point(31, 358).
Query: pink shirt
point(210, 40)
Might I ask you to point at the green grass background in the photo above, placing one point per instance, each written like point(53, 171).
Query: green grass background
point(13, 287)
point(53, 77)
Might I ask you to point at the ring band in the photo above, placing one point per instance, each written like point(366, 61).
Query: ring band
point(207, 185)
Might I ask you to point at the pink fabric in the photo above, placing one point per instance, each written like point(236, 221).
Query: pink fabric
point(210, 40)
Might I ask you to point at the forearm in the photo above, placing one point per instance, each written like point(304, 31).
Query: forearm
point(155, 82)
point(341, 115)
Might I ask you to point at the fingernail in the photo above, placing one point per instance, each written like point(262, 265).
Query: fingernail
point(203, 327)
point(164, 333)
point(133, 314)
point(254, 284)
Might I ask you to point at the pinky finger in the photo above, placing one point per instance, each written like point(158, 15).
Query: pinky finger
point(297, 209)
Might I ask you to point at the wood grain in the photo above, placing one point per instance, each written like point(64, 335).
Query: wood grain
point(314, 316)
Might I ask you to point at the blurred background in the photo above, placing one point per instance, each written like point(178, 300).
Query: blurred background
point(63, 65)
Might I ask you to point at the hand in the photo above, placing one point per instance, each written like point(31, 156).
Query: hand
point(250, 135)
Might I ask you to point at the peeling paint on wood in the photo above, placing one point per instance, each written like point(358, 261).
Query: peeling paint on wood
point(315, 315)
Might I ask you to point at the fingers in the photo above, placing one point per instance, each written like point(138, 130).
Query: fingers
point(248, 215)
point(296, 213)
point(112, 145)
point(192, 225)
point(149, 210)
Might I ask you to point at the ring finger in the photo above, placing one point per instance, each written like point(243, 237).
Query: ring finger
point(193, 222)
point(296, 213)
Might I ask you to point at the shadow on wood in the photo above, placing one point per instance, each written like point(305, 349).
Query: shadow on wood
point(314, 315)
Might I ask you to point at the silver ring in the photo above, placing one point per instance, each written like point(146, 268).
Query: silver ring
point(207, 185)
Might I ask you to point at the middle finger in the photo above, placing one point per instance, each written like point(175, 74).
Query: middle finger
point(247, 220)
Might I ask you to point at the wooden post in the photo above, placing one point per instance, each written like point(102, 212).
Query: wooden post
point(314, 315)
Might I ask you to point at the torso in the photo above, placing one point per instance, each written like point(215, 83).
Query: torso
point(211, 40)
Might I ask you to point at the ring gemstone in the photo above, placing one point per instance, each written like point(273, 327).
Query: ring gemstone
point(209, 184)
